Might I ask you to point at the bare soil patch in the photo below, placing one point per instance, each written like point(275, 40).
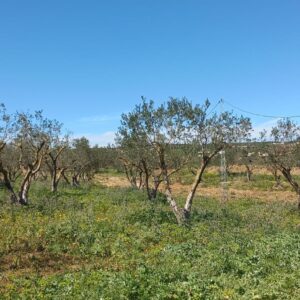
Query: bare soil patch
point(111, 181)
point(215, 192)
point(233, 193)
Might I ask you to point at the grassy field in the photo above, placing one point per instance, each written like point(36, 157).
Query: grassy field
point(99, 242)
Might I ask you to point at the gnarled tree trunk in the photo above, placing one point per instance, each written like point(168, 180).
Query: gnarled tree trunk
point(198, 178)
point(24, 190)
point(286, 172)
point(31, 171)
point(7, 183)
point(249, 172)
point(183, 215)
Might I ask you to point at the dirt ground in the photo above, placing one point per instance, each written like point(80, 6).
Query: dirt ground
point(241, 169)
point(215, 192)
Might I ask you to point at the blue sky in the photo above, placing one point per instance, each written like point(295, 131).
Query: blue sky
point(86, 62)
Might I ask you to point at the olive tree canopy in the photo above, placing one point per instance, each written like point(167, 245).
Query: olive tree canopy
point(168, 136)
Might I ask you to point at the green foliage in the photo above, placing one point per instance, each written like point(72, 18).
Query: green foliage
point(104, 243)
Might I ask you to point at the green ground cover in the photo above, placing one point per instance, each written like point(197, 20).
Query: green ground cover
point(95, 242)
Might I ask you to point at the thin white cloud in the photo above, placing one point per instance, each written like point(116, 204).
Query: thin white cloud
point(98, 119)
point(102, 139)
point(268, 125)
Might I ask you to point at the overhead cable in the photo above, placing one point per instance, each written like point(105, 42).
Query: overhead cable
point(258, 114)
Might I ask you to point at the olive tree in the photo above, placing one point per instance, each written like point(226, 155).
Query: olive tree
point(212, 134)
point(58, 143)
point(178, 124)
point(282, 151)
point(147, 140)
point(7, 132)
point(136, 158)
point(33, 139)
point(28, 137)
point(247, 158)
point(10, 161)
point(105, 157)
point(81, 160)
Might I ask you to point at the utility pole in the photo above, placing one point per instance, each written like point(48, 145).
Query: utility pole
point(223, 171)
point(224, 183)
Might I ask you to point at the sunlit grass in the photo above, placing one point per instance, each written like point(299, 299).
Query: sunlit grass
point(92, 242)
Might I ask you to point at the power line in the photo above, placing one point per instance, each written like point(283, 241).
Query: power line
point(260, 115)
point(214, 108)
